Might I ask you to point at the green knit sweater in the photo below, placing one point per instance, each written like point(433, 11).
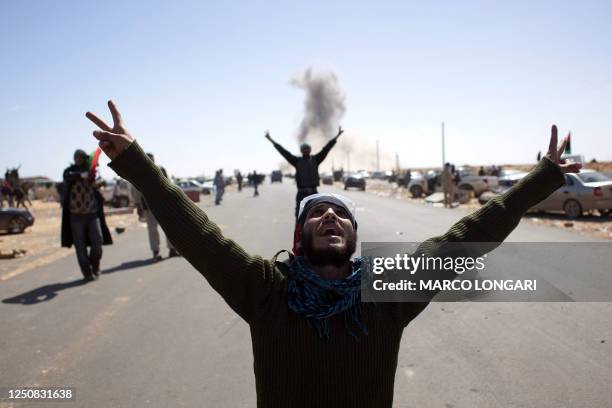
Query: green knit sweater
point(293, 366)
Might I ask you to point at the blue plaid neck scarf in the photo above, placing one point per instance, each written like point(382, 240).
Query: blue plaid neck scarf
point(317, 299)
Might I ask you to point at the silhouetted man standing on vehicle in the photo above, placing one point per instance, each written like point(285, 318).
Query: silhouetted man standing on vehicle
point(306, 167)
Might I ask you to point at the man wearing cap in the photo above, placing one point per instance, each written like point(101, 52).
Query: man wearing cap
point(306, 167)
point(315, 344)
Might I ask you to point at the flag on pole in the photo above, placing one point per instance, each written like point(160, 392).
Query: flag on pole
point(93, 163)
point(568, 146)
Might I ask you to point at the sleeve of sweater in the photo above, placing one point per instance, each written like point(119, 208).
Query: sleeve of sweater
point(490, 224)
point(244, 281)
point(286, 154)
point(325, 151)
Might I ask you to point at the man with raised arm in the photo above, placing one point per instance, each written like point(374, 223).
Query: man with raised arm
point(306, 167)
point(315, 344)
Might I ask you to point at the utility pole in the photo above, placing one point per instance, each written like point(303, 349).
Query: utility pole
point(377, 156)
point(397, 167)
point(443, 152)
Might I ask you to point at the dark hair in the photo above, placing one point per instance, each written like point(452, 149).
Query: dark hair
point(80, 152)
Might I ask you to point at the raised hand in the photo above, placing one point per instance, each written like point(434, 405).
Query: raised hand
point(554, 153)
point(340, 132)
point(113, 140)
point(268, 136)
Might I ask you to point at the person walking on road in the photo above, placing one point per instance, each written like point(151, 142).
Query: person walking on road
point(255, 178)
point(144, 213)
point(315, 344)
point(83, 222)
point(239, 180)
point(306, 166)
point(407, 178)
point(219, 183)
point(446, 179)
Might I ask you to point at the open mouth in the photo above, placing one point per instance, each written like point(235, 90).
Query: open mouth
point(330, 231)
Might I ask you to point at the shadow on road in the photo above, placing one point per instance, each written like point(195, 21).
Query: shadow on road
point(48, 292)
point(43, 294)
point(129, 265)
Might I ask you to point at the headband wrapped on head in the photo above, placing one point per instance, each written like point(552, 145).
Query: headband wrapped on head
point(314, 199)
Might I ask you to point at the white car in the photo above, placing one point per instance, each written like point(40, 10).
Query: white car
point(477, 184)
point(585, 191)
point(509, 177)
point(189, 185)
point(118, 193)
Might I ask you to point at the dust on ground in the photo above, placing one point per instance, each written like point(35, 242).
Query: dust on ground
point(42, 240)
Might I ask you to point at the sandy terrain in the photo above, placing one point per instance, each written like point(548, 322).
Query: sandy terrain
point(42, 240)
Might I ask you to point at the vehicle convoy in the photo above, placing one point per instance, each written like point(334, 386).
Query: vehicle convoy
point(15, 220)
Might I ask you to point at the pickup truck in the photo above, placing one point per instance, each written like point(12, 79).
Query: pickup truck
point(118, 193)
point(477, 184)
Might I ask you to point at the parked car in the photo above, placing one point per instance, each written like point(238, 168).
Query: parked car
point(15, 220)
point(327, 178)
point(363, 173)
point(420, 184)
point(355, 180)
point(191, 188)
point(276, 175)
point(207, 187)
point(118, 193)
point(477, 184)
point(509, 177)
point(189, 185)
point(338, 175)
point(381, 175)
point(206, 183)
point(585, 191)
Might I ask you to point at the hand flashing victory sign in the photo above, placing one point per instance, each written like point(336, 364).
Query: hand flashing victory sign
point(112, 140)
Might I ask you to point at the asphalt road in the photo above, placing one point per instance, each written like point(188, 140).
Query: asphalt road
point(156, 335)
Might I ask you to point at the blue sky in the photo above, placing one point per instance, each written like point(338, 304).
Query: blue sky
point(199, 82)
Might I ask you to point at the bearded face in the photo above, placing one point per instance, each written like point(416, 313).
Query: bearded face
point(328, 236)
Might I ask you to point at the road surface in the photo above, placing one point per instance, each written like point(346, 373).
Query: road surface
point(157, 335)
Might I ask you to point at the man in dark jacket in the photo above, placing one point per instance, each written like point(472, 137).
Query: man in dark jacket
point(83, 222)
point(306, 167)
point(239, 180)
